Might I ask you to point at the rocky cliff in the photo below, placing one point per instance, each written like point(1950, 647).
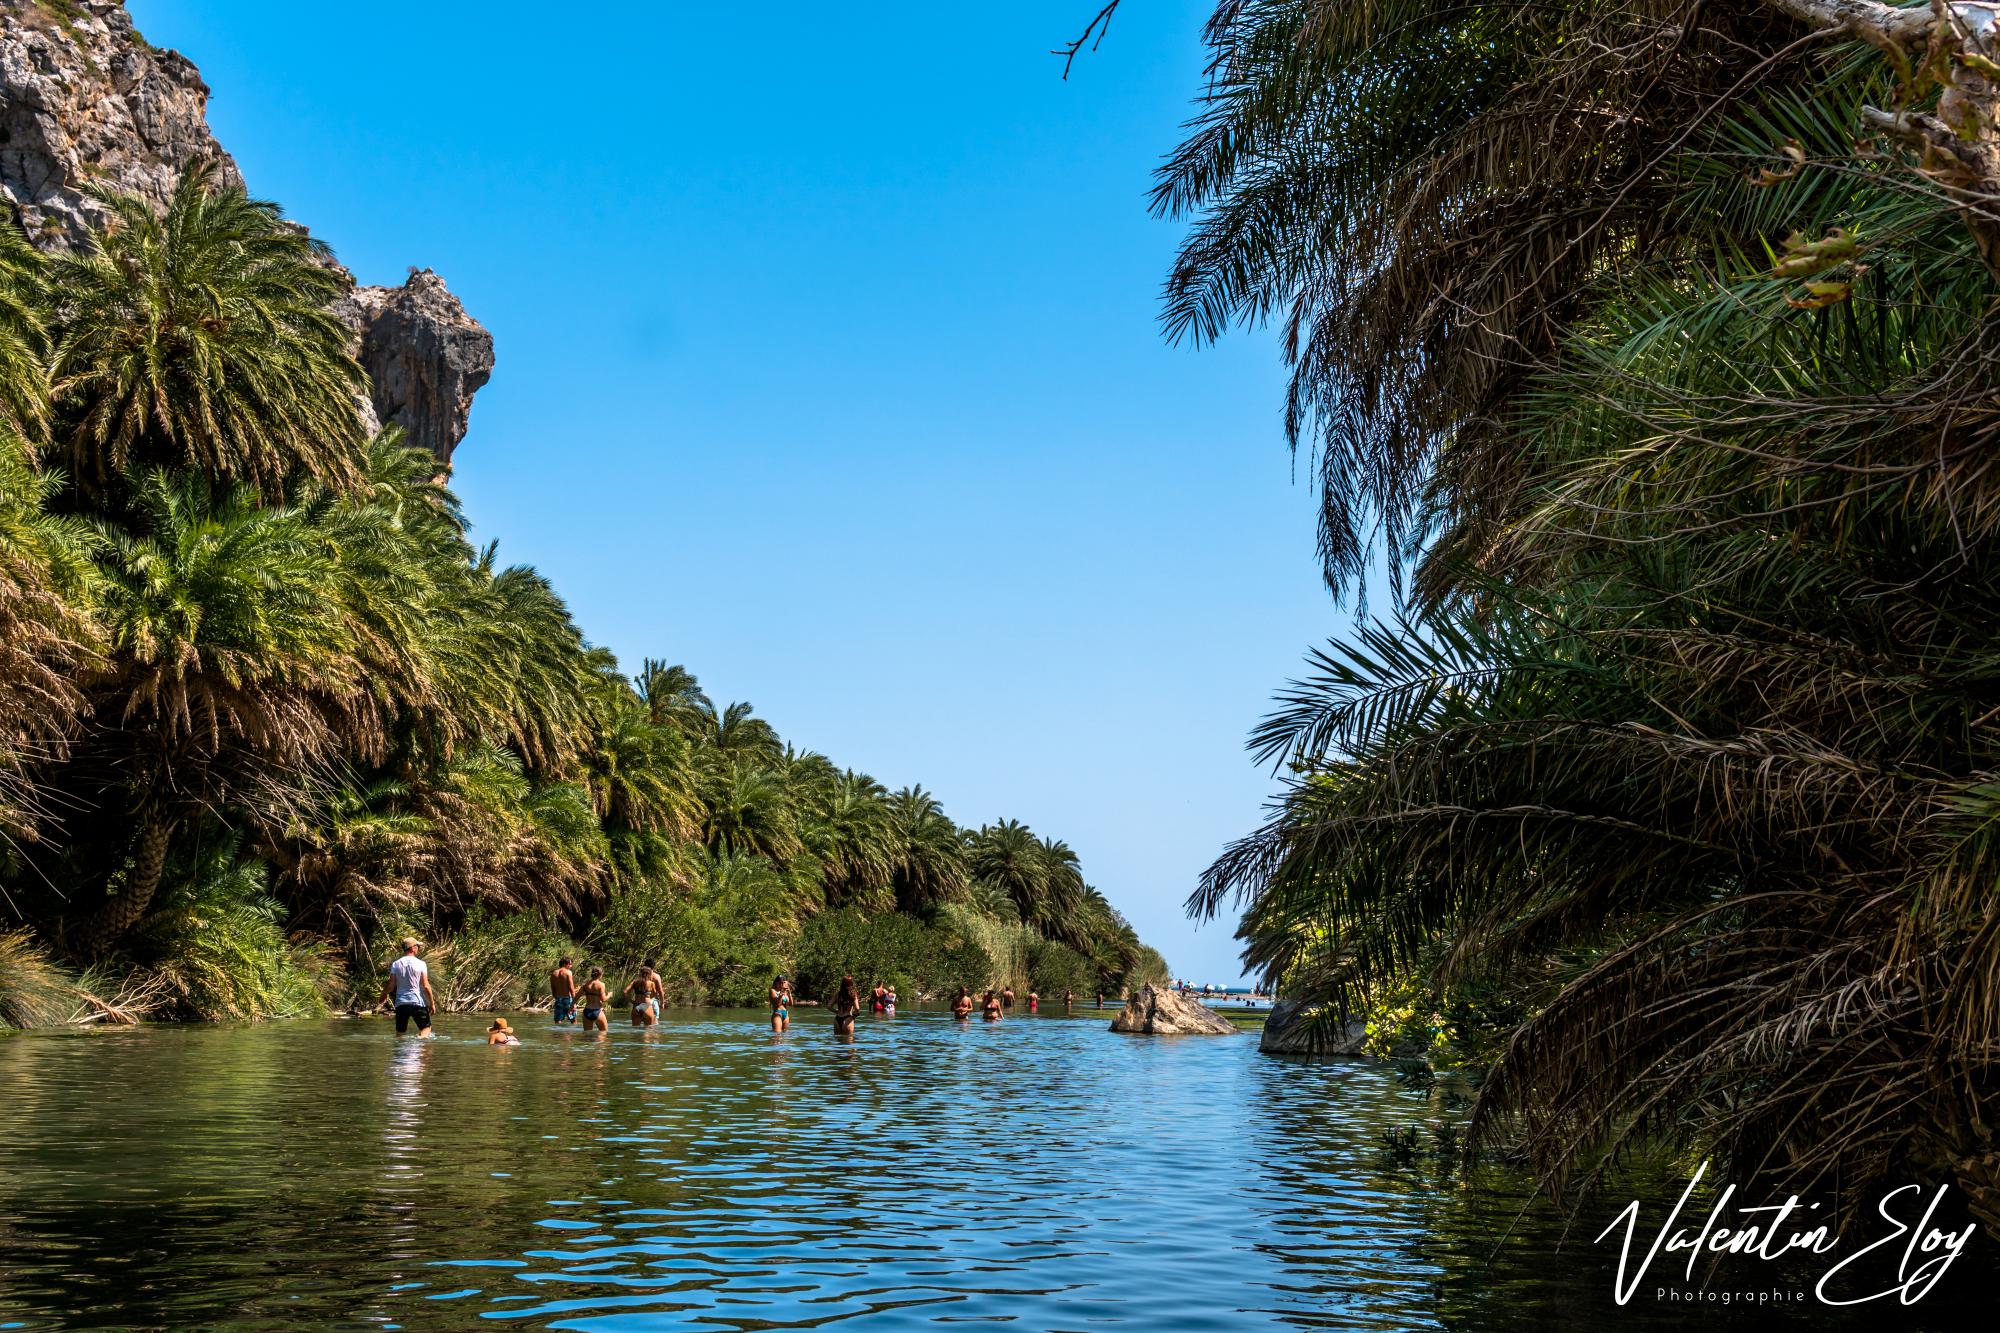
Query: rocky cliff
point(84, 99)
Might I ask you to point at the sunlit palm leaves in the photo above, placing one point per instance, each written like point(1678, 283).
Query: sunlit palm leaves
point(200, 336)
point(929, 861)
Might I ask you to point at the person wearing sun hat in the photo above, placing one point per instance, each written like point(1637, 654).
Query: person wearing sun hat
point(500, 1034)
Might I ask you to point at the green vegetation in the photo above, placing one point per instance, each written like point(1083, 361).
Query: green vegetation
point(264, 709)
point(1659, 341)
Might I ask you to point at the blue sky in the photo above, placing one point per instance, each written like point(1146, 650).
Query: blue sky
point(829, 366)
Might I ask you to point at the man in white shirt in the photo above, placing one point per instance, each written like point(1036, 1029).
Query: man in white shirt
point(410, 982)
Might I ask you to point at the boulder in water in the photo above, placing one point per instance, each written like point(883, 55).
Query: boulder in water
point(1292, 1030)
point(1160, 1012)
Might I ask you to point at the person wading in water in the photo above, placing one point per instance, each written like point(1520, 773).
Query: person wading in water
point(961, 1008)
point(646, 994)
point(410, 982)
point(596, 999)
point(846, 1005)
point(562, 985)
point(781, 1003)
point(992, 1008)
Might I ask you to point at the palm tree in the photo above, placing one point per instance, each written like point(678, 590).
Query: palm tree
point(24, 300)
point(351, 860)
point(851, 836)
point(928, 867)
point(1007, 856)
point(47, 633)
point(503, 839)
point(1428, 203)
point(733, 734)
point(1065, 911)
point(640, 775)
point(750, 813)
point(230, 673)
point(672, 695)
point(1682, 767)
point(200, 336)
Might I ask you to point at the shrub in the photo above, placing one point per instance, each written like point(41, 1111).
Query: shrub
point(35, 990)
point(217, 947)
point(1054, 968)
point(495, 961)
point(891, 948)
point(718, 942)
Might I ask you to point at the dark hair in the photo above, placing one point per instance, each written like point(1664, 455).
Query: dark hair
point(648, 965)
point(847, 992)
point(564, 962)
point(596, 972)
point(775, 980)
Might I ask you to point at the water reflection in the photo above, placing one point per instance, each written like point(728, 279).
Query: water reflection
point(1040, 1170)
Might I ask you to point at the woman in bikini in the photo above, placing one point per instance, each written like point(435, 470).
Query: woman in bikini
point(596, 999)
point(781, 1003)
point(961, 1008)
point(992, 1009)
point(846, 1005)
point(645, 994)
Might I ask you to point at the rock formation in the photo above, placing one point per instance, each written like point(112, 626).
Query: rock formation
point(1289, 1031)
point(1161, 1012)
point(425, 357)
point(85, 99)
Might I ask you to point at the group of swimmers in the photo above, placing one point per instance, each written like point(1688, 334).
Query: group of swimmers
point(410, 985)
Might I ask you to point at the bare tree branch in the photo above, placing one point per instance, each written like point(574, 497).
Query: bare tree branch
point(1098, 25)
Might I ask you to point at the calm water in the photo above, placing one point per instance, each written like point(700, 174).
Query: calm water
point(1042, 1173)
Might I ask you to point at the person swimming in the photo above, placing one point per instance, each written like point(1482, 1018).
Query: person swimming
point(781, 1003)
point(992, 1008)
point(562, 985)
point(500, 1034)
point(961, 1008)
point(596, 999)
point(846, 1006)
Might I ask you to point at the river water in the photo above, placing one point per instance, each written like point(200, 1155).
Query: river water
point(1041, 1173)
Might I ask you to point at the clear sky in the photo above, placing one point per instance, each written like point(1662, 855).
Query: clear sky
point(829, 366)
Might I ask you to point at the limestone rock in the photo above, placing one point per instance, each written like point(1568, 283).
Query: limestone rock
point(1160, 1011)
point(424, 355)
point(1289, 1032)
point(85, 99)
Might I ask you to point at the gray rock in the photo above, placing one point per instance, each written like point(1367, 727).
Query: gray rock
point(1289, 1031)
point(425, 357)
point(85, 99)
point(1159, 1011)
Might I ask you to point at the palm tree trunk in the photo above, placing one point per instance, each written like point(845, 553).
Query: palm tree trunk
point(110, 923)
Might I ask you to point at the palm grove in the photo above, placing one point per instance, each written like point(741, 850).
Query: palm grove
point(263, 708)
point(1650, 346)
